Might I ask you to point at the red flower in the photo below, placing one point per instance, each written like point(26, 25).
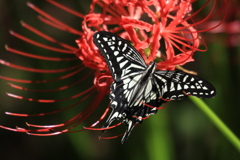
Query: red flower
point(161, 30)
point(230, 26)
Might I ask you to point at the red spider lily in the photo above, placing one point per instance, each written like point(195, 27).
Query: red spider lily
point(230, 27)
point(142, 22)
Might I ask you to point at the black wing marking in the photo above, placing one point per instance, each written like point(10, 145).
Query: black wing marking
point(178, 85)
point(122, 58)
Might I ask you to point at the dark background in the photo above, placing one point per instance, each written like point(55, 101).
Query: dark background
point(178, 132)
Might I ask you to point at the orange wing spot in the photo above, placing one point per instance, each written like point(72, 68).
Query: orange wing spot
point(140, 117)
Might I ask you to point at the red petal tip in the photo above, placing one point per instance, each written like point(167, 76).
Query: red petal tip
point(7, 113)
point(29, 4)
point(11, 32)
point(6, 46)
point(14, 95)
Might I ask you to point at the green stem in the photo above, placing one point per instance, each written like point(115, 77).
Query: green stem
point(218, 123)
point(159, 138)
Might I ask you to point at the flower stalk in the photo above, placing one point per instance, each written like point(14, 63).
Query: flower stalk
point(217, 122)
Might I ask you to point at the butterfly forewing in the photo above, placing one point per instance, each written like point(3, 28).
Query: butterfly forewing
point(178, 85)
point(122, 58)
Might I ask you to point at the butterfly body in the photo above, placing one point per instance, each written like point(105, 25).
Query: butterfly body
point(137, 86)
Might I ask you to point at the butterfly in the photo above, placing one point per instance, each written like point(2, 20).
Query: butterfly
point(139, 89)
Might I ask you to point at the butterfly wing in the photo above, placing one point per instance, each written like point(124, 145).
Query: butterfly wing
point(121, 57)
point(178, 85)
point(126, 66)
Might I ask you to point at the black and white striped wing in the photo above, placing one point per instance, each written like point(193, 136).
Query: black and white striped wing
point(178, 85)
point(126, 66)
point(121, 57)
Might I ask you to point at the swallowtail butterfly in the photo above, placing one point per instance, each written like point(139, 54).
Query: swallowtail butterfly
point(137, 86)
